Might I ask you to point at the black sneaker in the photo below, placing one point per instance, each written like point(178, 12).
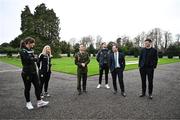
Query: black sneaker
point(150, 97)
point(84, 91)
point(142, 95)
point(115, 92)
point(123, 94)
point(79, 93)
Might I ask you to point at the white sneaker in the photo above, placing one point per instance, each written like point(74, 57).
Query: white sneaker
point(29, 106)
point(42, 103)
point(42, 96)
point(107, 86)
point(47, 94)
point(99, 85)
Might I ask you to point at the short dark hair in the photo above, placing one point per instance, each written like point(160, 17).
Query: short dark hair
point(29, 40)
point(103, 43)
point(149, 40)
point(81, 44)
point(115, 45)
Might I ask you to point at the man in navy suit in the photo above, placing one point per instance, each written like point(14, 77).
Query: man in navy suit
point(117, 65)
point(147, 63)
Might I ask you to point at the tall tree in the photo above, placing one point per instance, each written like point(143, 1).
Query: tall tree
point(91, 49)
point(167, 39)
point(98, 41)
point(47, 26)
point(43, 25)
point(137, 40)
point(27, 22)
point(64, 47)
point(87, 40)
point(118, 41)
point(156, 35)
point(178, 37)
point(124, 40)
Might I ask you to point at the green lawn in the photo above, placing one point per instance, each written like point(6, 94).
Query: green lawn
point(67, 65)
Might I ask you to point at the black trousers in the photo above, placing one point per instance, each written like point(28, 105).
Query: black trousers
point(118, 72)
point(28, 79)
point(44, 81)
point(81, 77)
point(147, 72)
point(105, 68)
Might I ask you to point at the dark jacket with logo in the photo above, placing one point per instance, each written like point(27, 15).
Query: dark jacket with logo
point(28, 61)
point(103, 57)
point(44, 63)
point(112, 61)
point(152, 58)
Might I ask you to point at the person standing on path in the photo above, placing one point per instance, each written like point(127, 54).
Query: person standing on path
point(103, 60)
point(82, 60)
point(44, 64)
point(29, 72)
point(148, 60)
point(117, 66)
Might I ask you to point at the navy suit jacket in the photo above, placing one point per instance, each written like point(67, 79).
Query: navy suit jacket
point(153, 58)
point(112, 61)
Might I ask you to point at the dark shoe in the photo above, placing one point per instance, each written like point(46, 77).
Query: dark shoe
point(123, 94)
point(150, 97)
point(115, 92)
point(84, 91)
point(142, 95)
point(79, 93)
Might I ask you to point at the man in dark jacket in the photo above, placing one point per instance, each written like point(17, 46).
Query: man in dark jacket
point(117, 65)
point(147, 63)
point(103, 59)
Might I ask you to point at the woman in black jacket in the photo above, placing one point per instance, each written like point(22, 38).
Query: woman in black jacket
point(44, 65)
point(29, 72)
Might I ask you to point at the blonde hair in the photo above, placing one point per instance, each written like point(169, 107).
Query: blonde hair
point(44, 50)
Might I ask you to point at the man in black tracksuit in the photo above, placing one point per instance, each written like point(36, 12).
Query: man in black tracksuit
point(147, 63)
point(29, 72)
point(103, 60)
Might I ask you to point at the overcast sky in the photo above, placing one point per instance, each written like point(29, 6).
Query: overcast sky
point(108, 18)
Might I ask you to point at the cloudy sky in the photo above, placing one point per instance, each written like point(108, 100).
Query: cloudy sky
point(108, 18)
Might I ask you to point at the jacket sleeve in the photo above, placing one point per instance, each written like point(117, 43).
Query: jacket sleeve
point(39, 60)
point(110, 60)
point(76, 61)
point(88, 60)
point(123, 61)
point(140, 57)
point(25, 56)
point(155, 58)
point(98, 55)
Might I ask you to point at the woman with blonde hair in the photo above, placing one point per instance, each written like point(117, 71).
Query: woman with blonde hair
point(44, 65)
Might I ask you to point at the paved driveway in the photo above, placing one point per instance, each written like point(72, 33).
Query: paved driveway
point(97, 103)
